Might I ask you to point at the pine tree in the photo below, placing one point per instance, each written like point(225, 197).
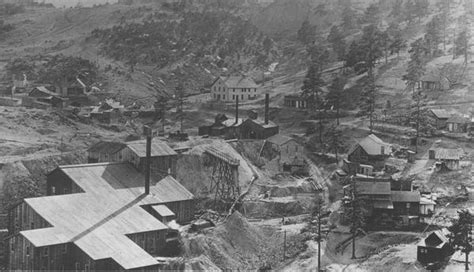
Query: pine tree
point(433, 34)
point(312, 92)
point(397, 43)
point(336, 39)
point(334, 96)
point(462, 45)
point(369, 98)
point(371, 43)
point(410, 11)
point(416, 65)
point(319, 56)
point(349, 18)
point(306, 33)
point(354, 210)
point(460, 236)
point(334, 139)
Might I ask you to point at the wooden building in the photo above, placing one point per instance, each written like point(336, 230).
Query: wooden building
point(370, 151)
point(163, 157)
point(446, 158)
point(435, 248)
point(295, 101)
point(43, 95)
point(104, 151)
point(457, 124)
point(288, 151)
point(229, 89)
point(95, 217)
point(439, 118)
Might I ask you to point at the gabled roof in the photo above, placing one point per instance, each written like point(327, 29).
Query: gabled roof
point(99, 220)
point(279, 139)
point(373, 188)
point(158, 148)
point(106, 147)
point(238, 82)
point(440, 113)
point(448, 154)
point(163, 210)
point(261, 123)
point(231, 122)
point(372, 145)
point(43, 90)
point(405, 196)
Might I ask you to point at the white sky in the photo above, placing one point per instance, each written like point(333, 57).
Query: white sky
point(72, 3)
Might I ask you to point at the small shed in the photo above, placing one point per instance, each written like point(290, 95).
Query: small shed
point(258, 129)
point(163, 213)
point(457, 124)
point(449, 158)
point(44, 95)
point(286, 147)
point(434, 248)
point(406, 202)
point(295, 101)
point(440, 118)
point(427, 206)
point(104, 151)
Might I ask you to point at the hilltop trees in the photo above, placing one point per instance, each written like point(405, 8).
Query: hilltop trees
point(372, 14)
point(433, 35)
point(460, 235)
point(307, 33)
point(416, 65)
point(462, 45)
point(334, 96)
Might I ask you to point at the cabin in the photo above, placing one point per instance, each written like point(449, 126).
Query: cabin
point(258, 129)
point(439, 118)
point(231, 88)
point(44, 95)
point(446, 158)
point(432, 82)
point(222, 126)
point(295, 101)
point(288, 151)
point(406, 206)
point(376, 193)
point(91, 215)
point(108, 111)
point(105, 151)
point(370, 151)
point(163, 157)
point(457, 124)
point(434, 248)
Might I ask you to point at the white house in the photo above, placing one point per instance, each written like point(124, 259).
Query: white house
point(227, 89)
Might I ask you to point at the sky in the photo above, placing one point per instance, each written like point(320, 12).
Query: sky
point(72, 3)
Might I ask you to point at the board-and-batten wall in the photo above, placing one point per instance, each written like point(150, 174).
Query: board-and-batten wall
point(159, 164)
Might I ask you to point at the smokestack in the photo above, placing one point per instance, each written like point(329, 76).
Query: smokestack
point(148, 133)
point(267, 101)
point(237, 110)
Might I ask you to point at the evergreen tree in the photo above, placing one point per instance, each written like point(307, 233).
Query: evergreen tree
point(307, 33)
point(410, 11)
point(354, 210)
point(336, 39)
point(462, 45)
point(349, 18)
point(416, 65)
point(335, 94)
point(421, 8)
point(334, 140)
point(398, 43)
point(369, 98)
point(319, 56)
point(312, 92)
point(433, 34)
point(371, 43)
point(460, 236)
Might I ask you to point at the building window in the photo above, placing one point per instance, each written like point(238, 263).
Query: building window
point(12, 246)
point(45, 252)
point(64, 248)
point(242, 97)
point(87, 267)
point(223, 97)
point(53, 190)
point(78, 267)
point(27, 251)
point(32, 225)
point(382, 150)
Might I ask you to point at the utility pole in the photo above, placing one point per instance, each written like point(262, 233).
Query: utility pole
point(319, 235)
point(353, 217)
point(284, 245)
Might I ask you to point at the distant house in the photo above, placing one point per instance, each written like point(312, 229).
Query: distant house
point(432, 82)
point(377, 194)
point(427, 206)
point(73, 86)
point(457, 124)
point(370, 151)
point(434, 248)
point(295, 101)
point(163, 157)
point(255, 128)
point(44, 95)
point(406, 205)
point(222, 126)
point(228, 89)
point(288, 151)
point(439, 118)
point(109, 111)
point(449, 158)
point(105, 152)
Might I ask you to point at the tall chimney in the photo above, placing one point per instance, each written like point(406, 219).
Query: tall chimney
point(237, 110)
point(267, 102)
point(148, 133)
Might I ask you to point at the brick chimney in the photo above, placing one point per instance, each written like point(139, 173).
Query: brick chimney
point(267, 102)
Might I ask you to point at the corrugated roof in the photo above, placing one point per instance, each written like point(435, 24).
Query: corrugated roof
point(239, 82)
point(405, 196)
point(373, 187)
point(158, 148)
point(99, 220)
point(279, 139)
point(163, 210)
point(106, 147)
point(448, 154)
point(440, 113)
